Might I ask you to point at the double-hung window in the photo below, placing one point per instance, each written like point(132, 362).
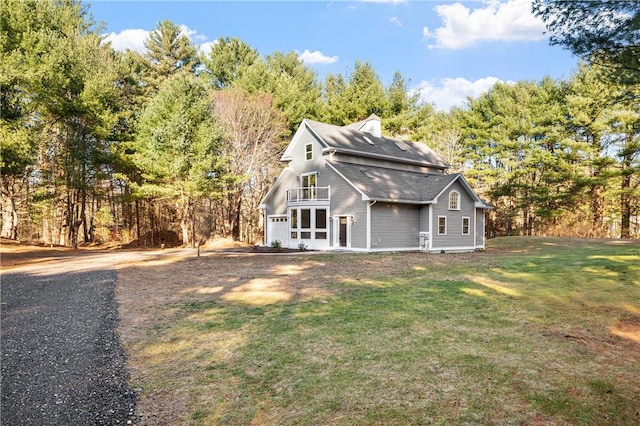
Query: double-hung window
point(442, 225)
point(465, 225)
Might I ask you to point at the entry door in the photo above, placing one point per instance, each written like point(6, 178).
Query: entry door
point(342, 232)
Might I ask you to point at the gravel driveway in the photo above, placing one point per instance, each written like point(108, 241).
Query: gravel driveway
point(61, 360)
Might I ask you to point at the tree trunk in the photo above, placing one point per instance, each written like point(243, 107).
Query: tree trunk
point(9, 212)
point(596, 212)
point(138, 222)
point(235, 229)
point(625, 196)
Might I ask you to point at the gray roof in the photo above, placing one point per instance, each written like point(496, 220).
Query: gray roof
point(348, 139)
point(380, 183)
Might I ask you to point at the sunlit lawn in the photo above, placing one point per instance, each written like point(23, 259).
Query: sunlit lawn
point(532, 331)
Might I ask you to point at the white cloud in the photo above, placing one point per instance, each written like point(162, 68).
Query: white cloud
point(316, 57)
point(205, 48)
point(191, 34)
point(509, 20)
point(395, 20)
point(132, 39)
point(454, 91)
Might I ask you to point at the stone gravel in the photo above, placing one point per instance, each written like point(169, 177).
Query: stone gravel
point(62, 363)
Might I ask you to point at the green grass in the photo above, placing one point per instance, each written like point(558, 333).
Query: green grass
point(533, 331)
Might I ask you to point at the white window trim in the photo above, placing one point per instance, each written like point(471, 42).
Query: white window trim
point(458, 199)
point(303, 175)
point(468, 226)
point(336, 230)
point(313, 242)
point(445, 225)
point(310, 152)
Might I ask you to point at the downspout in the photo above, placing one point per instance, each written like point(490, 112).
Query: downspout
point(475, 229)
point(431, 230)
point(369, 204)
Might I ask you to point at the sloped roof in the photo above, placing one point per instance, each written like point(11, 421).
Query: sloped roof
point(350, 140)
point(379, 183)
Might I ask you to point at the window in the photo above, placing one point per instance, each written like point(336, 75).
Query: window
point(310, 180)
point(465, 226)
point(321, 223)
point(321, 219)
point(309, 224)
point(454, 200)
point(309, 183)
point(399, 146)
point(305, 218)
point(308, 151)
point(442, 225)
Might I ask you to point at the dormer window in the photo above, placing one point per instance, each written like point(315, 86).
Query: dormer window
point(308, 152)
point(454, 200)
point(400, 146)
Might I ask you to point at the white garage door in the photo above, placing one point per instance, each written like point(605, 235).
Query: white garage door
point(278, 229)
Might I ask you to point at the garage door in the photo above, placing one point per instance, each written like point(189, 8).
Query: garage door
point(278, 229)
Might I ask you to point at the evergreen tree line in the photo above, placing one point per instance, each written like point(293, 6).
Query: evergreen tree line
point(175, 146)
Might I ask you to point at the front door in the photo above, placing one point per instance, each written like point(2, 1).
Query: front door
point(342, 232)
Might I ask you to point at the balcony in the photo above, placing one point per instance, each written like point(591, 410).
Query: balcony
point(308, 193)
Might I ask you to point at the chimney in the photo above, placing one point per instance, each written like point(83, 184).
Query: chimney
point(373, 126)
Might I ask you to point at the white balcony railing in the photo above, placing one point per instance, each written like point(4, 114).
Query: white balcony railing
point(309, 193)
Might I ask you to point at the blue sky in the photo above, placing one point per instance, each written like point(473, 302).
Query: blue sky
point(448, 50)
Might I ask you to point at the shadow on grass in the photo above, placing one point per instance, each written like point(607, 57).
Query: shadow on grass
point(495, 337)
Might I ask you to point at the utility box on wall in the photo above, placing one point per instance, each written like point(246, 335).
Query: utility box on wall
point(424, 240)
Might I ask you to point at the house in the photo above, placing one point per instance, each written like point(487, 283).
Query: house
point(350, 188)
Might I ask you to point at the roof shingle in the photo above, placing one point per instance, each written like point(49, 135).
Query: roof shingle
point(380, 183)
point(349, 139)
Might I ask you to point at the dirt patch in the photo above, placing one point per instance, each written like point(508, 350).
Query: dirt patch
point(14, 253)
point(628, 328)
point(152, 294)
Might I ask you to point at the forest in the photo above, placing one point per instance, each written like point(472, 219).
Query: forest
point(178, 147)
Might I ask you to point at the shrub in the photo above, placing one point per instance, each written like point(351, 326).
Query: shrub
point(276, 245)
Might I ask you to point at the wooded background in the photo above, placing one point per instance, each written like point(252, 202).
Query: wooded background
point(177, 147)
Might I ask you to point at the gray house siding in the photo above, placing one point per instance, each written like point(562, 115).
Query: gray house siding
point(276, 203)
point(453, 237)
point(424, 218)
point(479, 228)
point(346, 201)
point(299, 162)
point(394, 226)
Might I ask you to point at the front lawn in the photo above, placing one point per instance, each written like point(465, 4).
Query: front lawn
point(532, 331)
